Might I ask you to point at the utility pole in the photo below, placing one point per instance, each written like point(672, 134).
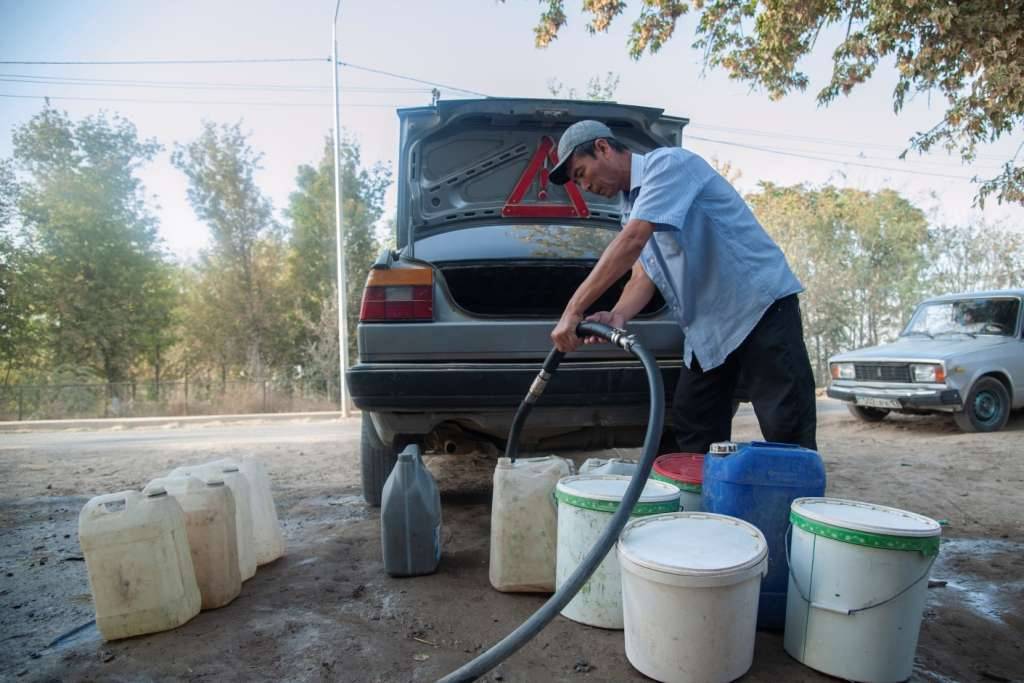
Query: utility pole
point(339, 240)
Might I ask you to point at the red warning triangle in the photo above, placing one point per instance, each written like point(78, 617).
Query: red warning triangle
point(514, 206)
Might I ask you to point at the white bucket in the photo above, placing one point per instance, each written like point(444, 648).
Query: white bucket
point(524, 523)
point(857, 587)
point(586, 504)
point(690, 587)
point(608, 466)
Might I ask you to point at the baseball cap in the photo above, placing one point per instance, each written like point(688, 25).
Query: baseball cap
point(574, 136)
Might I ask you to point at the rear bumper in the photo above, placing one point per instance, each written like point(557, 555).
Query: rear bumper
point(939, 399)
point(475, 386)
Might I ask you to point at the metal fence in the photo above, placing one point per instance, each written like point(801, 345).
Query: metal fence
point(192, 396)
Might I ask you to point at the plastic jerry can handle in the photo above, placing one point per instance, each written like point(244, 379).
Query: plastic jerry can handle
point(110, 503)
point(774, 444)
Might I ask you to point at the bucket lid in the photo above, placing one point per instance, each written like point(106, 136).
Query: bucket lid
point(867, 524)
point(604, 492)
point(693, 544)
point(685, 470)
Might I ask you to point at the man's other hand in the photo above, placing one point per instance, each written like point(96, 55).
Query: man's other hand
point(609, 318)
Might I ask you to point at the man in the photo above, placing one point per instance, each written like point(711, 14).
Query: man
point(687, 232)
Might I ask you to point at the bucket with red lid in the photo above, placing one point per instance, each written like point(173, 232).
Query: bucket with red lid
point(685, 471)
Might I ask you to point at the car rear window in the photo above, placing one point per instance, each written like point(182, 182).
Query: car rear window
point(513, 242)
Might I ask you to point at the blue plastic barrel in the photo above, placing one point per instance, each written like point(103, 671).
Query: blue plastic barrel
point(757, 482)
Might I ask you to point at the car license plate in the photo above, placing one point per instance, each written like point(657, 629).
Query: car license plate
point(872, 402)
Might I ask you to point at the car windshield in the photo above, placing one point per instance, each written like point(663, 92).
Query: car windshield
point(537, 241)
point(970, 317)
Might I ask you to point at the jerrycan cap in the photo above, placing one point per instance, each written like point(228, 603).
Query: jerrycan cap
point(723, 448)
point(155, 491)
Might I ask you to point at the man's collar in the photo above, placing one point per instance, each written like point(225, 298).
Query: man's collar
point(636, 171)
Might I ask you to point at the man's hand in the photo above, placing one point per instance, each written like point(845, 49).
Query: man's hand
point(564, 334)
point(610, 318)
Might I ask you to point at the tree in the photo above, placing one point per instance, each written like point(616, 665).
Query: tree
point(971, 53)
point(97, 264)
point(240, 277)
point(15, 302)
point(861, 257)
point(975, 257)
point(313, 249)
point(597, 90)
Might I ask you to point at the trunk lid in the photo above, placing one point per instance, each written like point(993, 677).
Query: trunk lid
point(465, 163)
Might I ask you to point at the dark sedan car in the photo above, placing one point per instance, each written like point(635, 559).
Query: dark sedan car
point(456, 321)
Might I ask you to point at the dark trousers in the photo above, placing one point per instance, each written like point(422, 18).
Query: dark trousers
point(776, 377)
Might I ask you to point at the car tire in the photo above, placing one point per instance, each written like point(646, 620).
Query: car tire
point(986, 409)
point(377, 459)
point(867, 414)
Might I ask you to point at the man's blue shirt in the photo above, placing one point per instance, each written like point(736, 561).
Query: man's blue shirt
point(715, 266)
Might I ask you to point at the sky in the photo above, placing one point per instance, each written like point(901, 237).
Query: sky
point(481, 46)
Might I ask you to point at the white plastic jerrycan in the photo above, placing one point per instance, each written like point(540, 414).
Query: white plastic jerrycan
point(209, 511)
point(524, 523)
point(239, 487)
point(266, 528)
point(140, 568)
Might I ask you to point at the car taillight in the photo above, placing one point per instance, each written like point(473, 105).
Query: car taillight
point(398, 294)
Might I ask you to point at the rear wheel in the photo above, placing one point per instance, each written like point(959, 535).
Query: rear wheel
point(987, 407)
point(377, 459)
point(867, 414)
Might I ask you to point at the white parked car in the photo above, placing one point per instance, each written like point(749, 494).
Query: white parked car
point(961, 353)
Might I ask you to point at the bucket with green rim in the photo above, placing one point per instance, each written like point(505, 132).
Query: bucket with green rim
point(685, 471)
point(586, 503)
point(857, 587)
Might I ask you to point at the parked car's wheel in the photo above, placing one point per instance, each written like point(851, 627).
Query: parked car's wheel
point(377, 459)
point(987, 407)
point(867, 414)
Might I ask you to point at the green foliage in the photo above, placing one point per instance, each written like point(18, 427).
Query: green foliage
point(971, 53)
point(975, 257)
point(236, 304)
point(313, 257)
point(861, 257)
point(597, 90)
point(16, 328)
point(92, 265)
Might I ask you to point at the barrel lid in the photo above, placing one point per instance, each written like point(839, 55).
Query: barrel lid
point(604, 492)
point(867, 517)
point(681, 468)
point(693, 544)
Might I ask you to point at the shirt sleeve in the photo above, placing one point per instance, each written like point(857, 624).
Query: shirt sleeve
point(671, 181)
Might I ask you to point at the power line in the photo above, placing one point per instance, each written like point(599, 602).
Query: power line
point(121, 62)
point(867, 157)
point(152, 62)
point(216, 102)
point(832, 160)
point(190, 85)
point(806, 138)
point(409, 78)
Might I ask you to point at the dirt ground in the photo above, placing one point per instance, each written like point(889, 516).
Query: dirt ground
point(327, 612)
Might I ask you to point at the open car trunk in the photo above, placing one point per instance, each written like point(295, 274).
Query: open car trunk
point(526, 289)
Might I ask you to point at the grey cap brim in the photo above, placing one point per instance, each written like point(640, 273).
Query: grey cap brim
point(559, 175)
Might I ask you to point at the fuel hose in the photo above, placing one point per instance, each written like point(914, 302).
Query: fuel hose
point(511, 643)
